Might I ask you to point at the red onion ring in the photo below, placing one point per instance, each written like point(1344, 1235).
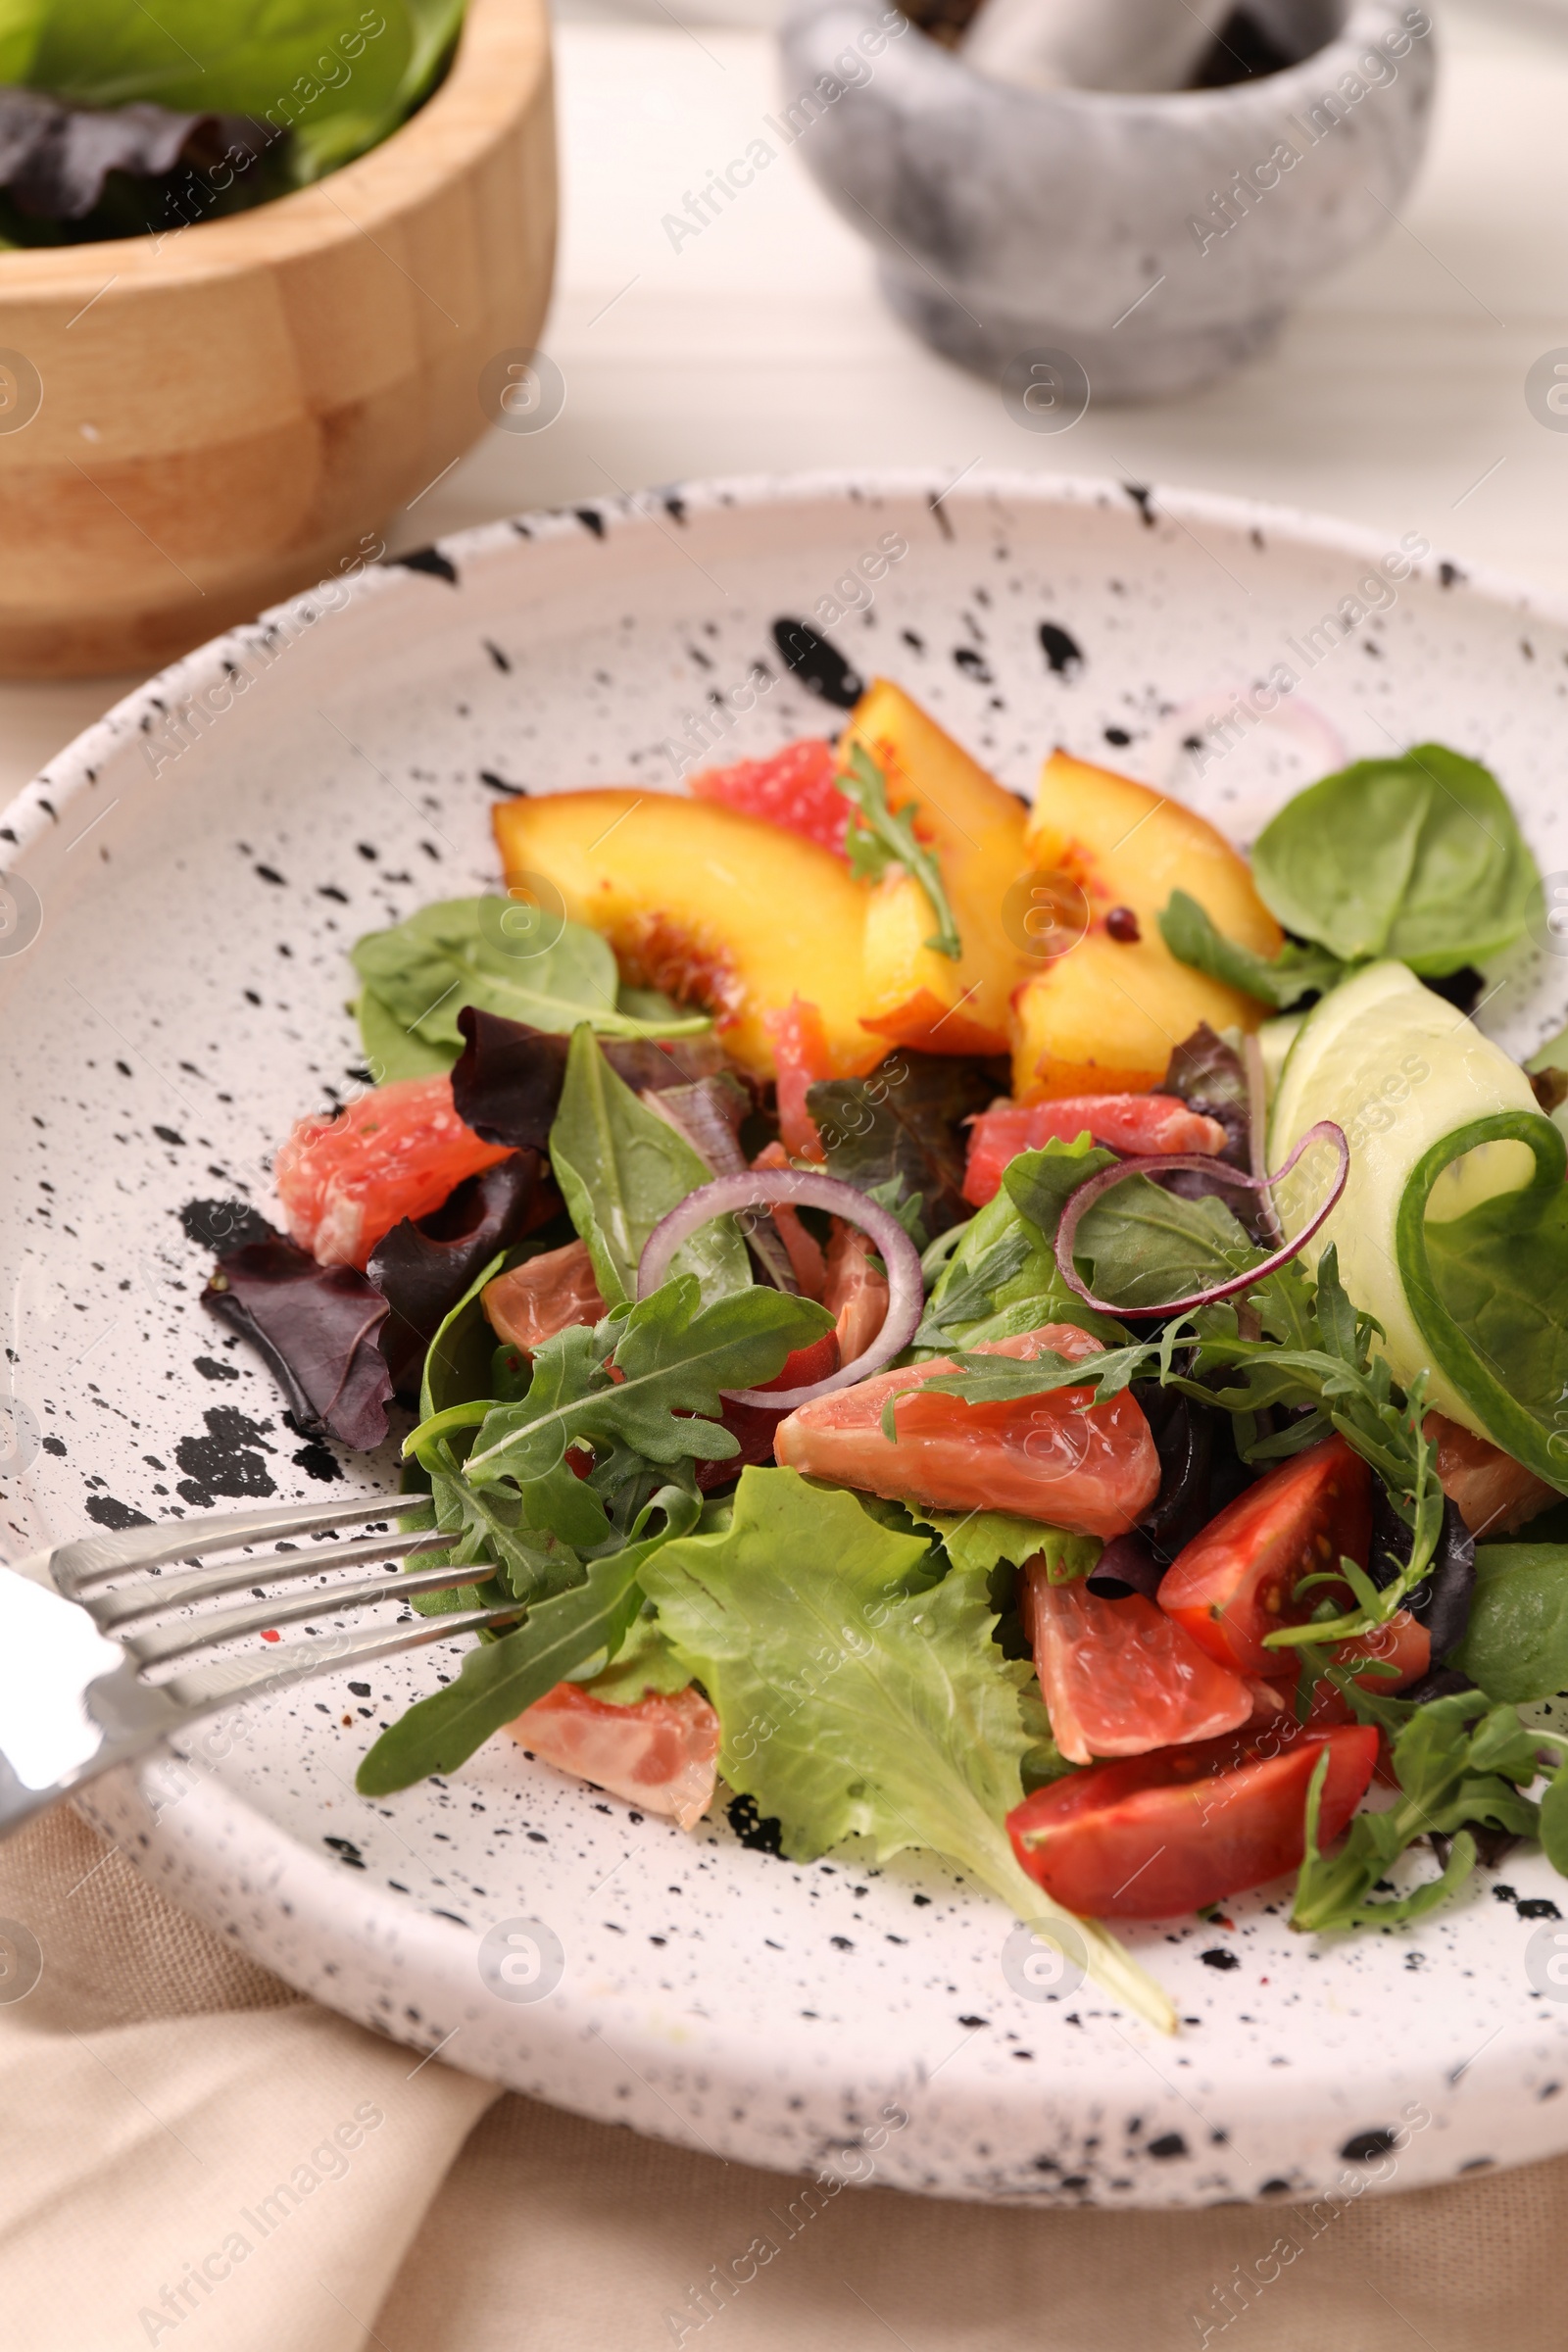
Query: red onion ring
point(1084, 1198)
point(762, 1187)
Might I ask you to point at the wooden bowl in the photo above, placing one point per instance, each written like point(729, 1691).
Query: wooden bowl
point(229, 413)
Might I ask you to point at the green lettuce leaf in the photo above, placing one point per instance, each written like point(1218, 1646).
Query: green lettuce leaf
point(621, 1168)
point(981, 1540)
point(856, 1700)
point(491, 953)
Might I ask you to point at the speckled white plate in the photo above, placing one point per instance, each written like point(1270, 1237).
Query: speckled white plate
point(183, 1001)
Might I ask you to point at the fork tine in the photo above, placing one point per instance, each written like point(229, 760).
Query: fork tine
point(90, 1560)
point(111, 1611)
point(202, 1688)
point(162, 1643)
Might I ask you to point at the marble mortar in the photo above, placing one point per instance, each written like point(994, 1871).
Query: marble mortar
point(1101, 244)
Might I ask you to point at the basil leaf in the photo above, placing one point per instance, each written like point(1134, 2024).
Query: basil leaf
point(332, 69)
point(1516, 1644)
point(497, 955)
point(1489, 1291)
point(1143, 1246)
point(621, 1169)
point(1282, 981)
point(1418, 858)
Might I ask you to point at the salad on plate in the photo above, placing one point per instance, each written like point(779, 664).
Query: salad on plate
point(1003, 1328)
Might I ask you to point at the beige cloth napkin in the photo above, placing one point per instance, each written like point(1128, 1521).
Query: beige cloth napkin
point(190, 2155)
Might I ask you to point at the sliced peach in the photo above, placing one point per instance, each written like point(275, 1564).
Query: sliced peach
point(718, 909)
point(1105, 1014)
point(913, 996)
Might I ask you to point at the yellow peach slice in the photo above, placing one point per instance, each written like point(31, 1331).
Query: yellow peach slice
point(718, 909)
point(1103, 1016)
point(913, 996)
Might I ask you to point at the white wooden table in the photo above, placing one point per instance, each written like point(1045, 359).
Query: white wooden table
point(1395, 396)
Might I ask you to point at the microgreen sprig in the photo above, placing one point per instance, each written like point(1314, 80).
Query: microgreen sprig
point(879, 837)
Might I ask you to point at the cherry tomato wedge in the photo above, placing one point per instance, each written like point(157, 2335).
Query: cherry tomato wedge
point(1169, 1833)
point(1119, 1677)
point(1135, 1125)
point(794, 788)
point(1093, 1472)
point(660, 1753)
point(396, 1152)
point(1236, 1579)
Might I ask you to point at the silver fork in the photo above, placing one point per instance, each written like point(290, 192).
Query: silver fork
point(80, 1693)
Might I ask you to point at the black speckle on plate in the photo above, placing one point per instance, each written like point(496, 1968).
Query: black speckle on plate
point(223, 1225)
point(431, 559)
point(1168, 2144)
point(1142, 499)
point(106, 1510)
point(1062, 651)
point(591, 520)
point(512, 792)
point(1219, 1957)
point(762, 1836)
point(227, 1460)
point(1365, 2147)
point(818, 665)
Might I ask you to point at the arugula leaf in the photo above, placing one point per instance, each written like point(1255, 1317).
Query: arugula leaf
point(674, 1357)
point(852, 1704)
point(501, 1678)
point(980, 1541)
point(1418, 858)
point(490, 952)
point(903, 1123)
point(1516, 1643)
point(878, 837)
point(621, 1169)
point(1458, 1761)
point(1282, 980)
